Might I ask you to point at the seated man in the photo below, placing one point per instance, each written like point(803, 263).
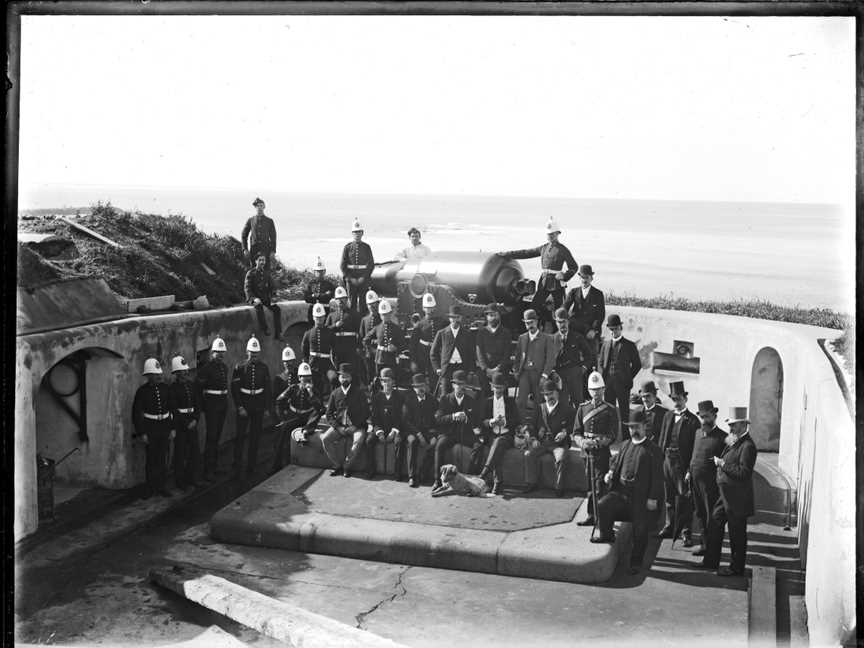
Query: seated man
point(299, 409)
point(500, 417)
point(386, 424)
point(455, 417)
point(418, 420)
point(636, 485)
point(347, 413)
point(549, 433)
point(259, 292)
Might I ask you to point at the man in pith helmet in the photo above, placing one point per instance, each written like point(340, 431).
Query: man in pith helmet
point(212, 382)
point(185, 412)
point(357, 265)
point(319, 290)
point(151, 416)
point(250, 385)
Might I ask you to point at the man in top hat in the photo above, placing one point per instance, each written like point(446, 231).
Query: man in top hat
point(453, 349)
point(316, 348)
point(494, 348)
point(348, 415)
point(259, 235)
point(422, 336)
point(345, 324)
point(677, 435)
point(250, 386)
point(654, 412)
point(553, 255)
point(259, 292)
point(594, 430)
point(213, 388)
point(586, 307)
point(573, 358)
point(151, 416)
point(389, 340)
point(416, 250)
point(635, 488)
point(367, 324)
point(185, 403)
point(385, 425)
point(456, 420)
point(702, 474)
point(320, 290)
point(500, 419)
point(418, 420)
point(618, 363)
point(549, 433)
point(357, 266)
point(736, 502)
point(534, 360)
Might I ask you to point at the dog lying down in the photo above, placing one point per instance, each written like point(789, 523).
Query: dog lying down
point(455, 483)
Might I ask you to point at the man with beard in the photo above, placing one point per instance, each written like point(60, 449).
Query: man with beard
point(387, 338)
point(386, 424)
point(453, 349)
point(572, 359)
point(618, 363)
point(258, 287)
point(535, 357)
point(654, 412)
point(500, 418)
point(549, 433)
point(347, 413)
point(418, 420)
point(702, 474)
point(299, 409)
point(586, 307)
point(494, 348)
point(456, 420)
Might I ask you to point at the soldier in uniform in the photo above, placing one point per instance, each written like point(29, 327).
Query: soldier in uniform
point(595, 429)
point(586, 307)
point(299, 409)
point(213, 387)
point(348, 414)
point(259, 235)
point(281, 382)
point(677, 435)
point(453, 349)
point(259, 292)
point(151, 416)
point(316, 348)
point(500, 419)
point(345, 324)
point(494, 349)
point(572, 360)
point(357, 265)
point(369, 322)
point(387, 338)
point(553, 255)
point(422, 337)
point(534, 360)
point(250, 386)
point(654, 412)
point(319, 290)
point(185, 410)
point(386, 424)
point(418, 421)
point(635, 487)
point(701, 476)
point(456, 418)
point(618, 363)
point(549, 433)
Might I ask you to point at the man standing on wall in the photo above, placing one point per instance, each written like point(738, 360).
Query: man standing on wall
point(250, 386)
point(357, 266)
point(151, 416)
point(259, 236)
point(618, 364)
point(213, 387)
point(586, 307)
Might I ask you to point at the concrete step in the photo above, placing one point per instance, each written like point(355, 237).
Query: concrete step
point(304, 509)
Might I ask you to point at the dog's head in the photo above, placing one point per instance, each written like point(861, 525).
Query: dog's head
point(448, 471)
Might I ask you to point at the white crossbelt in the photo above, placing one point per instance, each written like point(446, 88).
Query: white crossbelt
point(300, 411)
point(252, 392)
point(186, 410)
point(316, 354)
point(156, 417)
point(216, 392)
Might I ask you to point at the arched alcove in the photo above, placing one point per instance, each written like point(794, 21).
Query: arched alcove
point(766, 399)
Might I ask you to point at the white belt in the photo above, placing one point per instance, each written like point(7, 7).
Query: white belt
point(345, 333)
point(300, 411)
point(251, 392)
point(357, 267)
point(156, 417)
point(425, 343)
point(186, 410)
point(316, 354)
point(216, 392)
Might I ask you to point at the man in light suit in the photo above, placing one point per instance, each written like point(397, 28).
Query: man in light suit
point(549, 433)
point(452, 349)
point(535, 359)
point(586, 307)
point(618, 363)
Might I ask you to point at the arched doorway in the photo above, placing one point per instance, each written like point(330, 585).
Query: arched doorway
point(766, 399)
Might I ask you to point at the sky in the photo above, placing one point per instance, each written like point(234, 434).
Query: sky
point(707, 108)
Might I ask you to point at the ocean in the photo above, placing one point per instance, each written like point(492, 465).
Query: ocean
point(788, 253)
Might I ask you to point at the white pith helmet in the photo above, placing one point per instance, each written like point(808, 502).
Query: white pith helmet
point(304, 369)
point(340, 293)
point(218, 345)
point(552, 226)
point(429, 300)
point(319, 265)
point(318, 310)
point(152, 366)
point(253, 344)
point(288, 354)
point(355, 226)
point(178, 363)
point(595, 380)
point(384, 307)
point(372, 297)
point(297, 434)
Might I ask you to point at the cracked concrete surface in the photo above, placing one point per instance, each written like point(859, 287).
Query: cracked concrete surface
point(401, 590)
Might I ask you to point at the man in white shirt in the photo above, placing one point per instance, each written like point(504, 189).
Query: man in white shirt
point(416, 250)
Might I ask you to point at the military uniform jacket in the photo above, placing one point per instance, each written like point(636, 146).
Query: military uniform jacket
point(418, 416)
point(250, 385)
point(300, 402)
point(538, 355)
point(493, 349)
point(213, 380)
point(638, 472)
point(422, 337)
point(319, 292)
point(623, 368)
point(735, 477)
point(357, 260)
point(257, 284)
point(354, 403)
point(383, 335)
point(367, 324)
point(547, 425)
point(261, 233)
point(572, 351)
point(448, 406)
point(586, 313)
point(185, 403)
point(151, 408)
point(596, 422)
point(345, 323)
point(679, 435)
point(511, 416)
point(281, 382)
point(387, 412)
point(653, 419)
point(317, 344)
point(553, 256)
point(446, 342)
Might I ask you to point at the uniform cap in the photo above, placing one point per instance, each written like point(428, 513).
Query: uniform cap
point(218, 345)
point(178, 363)
point(429, 300)
point(372, 297)
point(152, 366)
point(253, 344)
point(318, 310)
point(288, 354)
point(355, 226)
point(384, 307)
point(304, 369)
point(595, 380)
point(346, 368)
point(340, 293)
point(552, 226)
point(319, 265)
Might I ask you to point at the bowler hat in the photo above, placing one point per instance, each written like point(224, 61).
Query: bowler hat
point(529, 314)
point(548, 385)
point(737, 415)
point(585, 269)
point(499, 379)
point(677, 388)
point(492, 308)
point(613, 320)
point(454, 311)
point(386, 372)
point(706, 407)
point(561, 314)
point(346, 368)
point(458, 377)
point(418, 379)
point(648, 387)
point(257, 202)
point(637, 417)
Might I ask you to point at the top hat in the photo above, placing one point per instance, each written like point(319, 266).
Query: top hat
point(637, 417)
point(529, 314)
point(458, 377)
point(737, 415)
point(418, 379)
point(706, 407)
point(346, 368)
point(648, 387)
point(386, 372)
point(677, 388)
point(454, 311)
point(613, 320)
point(585, 269)
point(257, 202)
point(499, 379)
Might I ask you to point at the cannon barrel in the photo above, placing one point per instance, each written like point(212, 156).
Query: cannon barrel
point(476, 276)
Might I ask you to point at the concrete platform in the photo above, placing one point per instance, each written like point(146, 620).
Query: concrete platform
point(508, 535)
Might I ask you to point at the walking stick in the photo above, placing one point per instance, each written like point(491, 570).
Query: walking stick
point(596, 515)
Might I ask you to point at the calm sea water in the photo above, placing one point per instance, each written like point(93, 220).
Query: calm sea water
point(790, 254)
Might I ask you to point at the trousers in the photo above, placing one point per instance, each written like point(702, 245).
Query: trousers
point(495, 459)
point(186, 454)
point(333, 441)
point(532, 460)
point(720, 517)
point(617, 506)
point(529, 385)
point(249, 427)
point(678, 512)
point(215, 411)
point(617, 393)
point(572, 385)
point(156, 455)
point(277, 318)
point(419, 456)
point(705, 495)
point(600, 460)
point(356, 295)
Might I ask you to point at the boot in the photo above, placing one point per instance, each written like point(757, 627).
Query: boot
point(687, 539)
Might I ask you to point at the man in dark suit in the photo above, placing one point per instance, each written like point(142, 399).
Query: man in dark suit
point(702, 474)
point(534, 361)
point(499, 417)
point(676, 439)
point(456, 419)
point(420, 428)
point(549, 433)
point(494, 348)
point(586, 307)
point(654, 412)
point(572, 360)
point(387, 405)
point(635, 488)
point(453, 349)
point(736, 503)
point(618, 364)
point(347, 413)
